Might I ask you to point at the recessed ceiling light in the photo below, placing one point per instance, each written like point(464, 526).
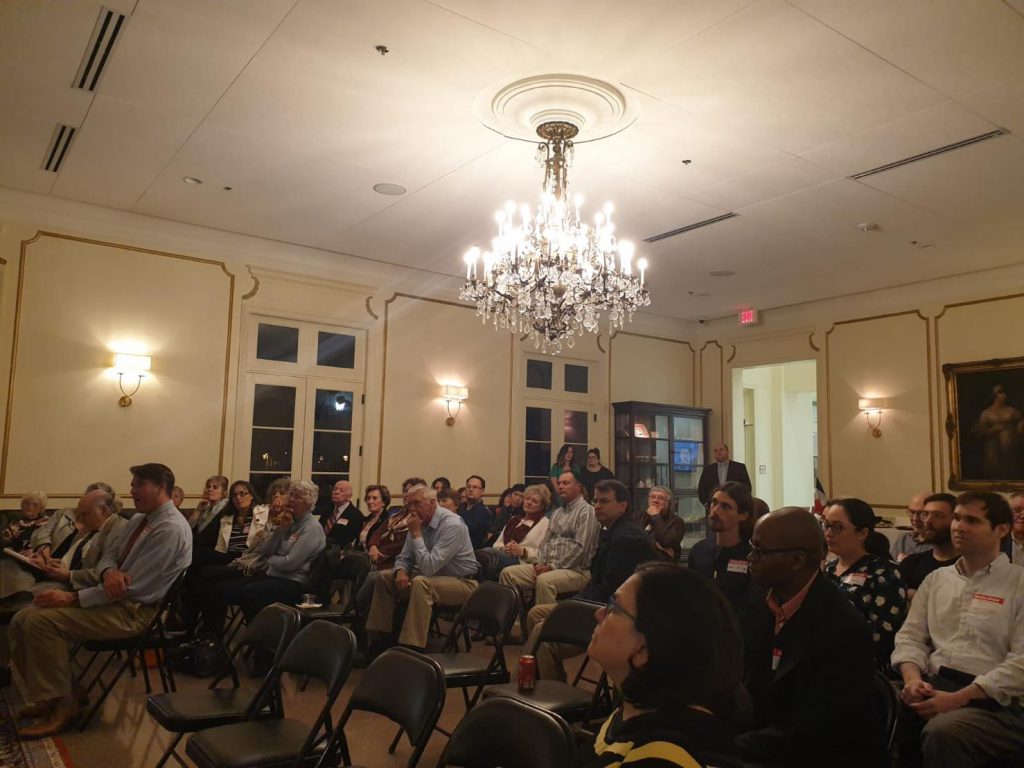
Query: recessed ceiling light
point(722, 273)
point(191, 180)
point(389, 189)
point(867, 226)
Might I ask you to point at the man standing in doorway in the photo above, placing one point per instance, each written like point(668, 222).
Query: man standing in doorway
point(721, 471)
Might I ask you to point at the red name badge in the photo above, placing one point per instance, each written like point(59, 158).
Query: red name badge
point(994, 599)
point(856, 579)
point(776, 658)
point(738, 566)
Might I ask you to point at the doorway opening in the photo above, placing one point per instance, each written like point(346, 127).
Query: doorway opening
point(775, 430)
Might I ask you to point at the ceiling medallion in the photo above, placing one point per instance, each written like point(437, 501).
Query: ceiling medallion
point(550, 276)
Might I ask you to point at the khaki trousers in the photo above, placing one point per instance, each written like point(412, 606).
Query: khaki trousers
point(548, 586)
point(549, 655)
point(41, 638)
point(423, 594)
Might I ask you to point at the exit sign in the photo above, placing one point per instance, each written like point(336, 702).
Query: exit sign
point(748, 317)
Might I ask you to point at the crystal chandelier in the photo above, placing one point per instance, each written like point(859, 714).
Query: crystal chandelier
point(551, 276)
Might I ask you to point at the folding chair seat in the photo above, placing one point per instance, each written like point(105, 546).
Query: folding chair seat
point(571, 622)
point(321, 650)
point(507, 733)
point(270, 631)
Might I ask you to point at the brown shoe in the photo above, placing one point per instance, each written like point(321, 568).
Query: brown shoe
point(40, 709)
point(60, 719)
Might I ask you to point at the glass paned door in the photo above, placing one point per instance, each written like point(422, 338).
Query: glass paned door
point(330, 426)
point(275, 404)
point(548, 427)
point(538, 444)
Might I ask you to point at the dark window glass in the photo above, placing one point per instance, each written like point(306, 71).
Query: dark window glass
point(331, 451)
point(576, 432)
point(538, 459)
point(576, 378)
point(538, 424)
point(538, 374)
point(333, 410)
point(337, 350)
point(271, 450)
point(262, 480)
point(277, 342)
point(273, 406)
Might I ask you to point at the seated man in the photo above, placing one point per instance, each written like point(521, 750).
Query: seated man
point(662, 524)
point(435, 567)
point(913, 541)
point(723, 559)
point(342, 521)
point(936, 519)
point(475, 513)
point(154, 548)
point(808, 656)
point(961, 650)
point(621, 548)
point(563, 558)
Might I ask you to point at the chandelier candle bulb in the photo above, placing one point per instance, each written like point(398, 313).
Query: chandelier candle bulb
point(643, 269)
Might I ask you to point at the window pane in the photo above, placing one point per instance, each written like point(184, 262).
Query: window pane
point(338, 350)
point(576, 425)
point(331, 451)
point(273, 406)
point(576, 378)
point(271, 450)
point(538, 374)
point(538, 459)
point(277, 342)
point(333, 410)
point(538, 424)
point(262, 480)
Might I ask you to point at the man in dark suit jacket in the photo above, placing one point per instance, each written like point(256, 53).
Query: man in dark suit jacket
point(719, 472)
point(342, 521)
point(809, 659)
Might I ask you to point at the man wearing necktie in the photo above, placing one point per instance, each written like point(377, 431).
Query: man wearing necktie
point(155, 547)
point(342, 521)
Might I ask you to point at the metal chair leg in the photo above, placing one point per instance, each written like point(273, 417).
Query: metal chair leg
point(394, 743)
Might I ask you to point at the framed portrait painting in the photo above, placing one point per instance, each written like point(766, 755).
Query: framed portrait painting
point(985, 424)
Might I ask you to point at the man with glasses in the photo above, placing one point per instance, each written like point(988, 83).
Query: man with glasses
point(937, 518)
point(913, 541)
point(475, 514)
point(808, 656)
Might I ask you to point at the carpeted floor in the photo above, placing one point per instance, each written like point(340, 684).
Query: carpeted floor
point(41, 753)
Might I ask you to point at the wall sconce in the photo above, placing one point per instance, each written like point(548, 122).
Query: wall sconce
point(453, 394)
point(872, 408)
point(130, 366)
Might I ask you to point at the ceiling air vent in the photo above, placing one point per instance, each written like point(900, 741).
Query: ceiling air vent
point(931, 153)
point(58, 147)
point(101, 43)
point(690, 227)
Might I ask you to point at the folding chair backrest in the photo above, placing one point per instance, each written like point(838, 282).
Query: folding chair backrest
point(572, 622)
point(272, 629)
point(494, 606)
point(508, 733)
point(403, 686)
point(323, 650)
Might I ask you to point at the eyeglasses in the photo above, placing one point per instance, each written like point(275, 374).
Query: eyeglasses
point(757, 552)
point(835, 528)
point(612, 606)
point(241, 492)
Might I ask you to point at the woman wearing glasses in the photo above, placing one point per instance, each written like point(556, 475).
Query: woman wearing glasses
point(864, 572)
point(678, 685)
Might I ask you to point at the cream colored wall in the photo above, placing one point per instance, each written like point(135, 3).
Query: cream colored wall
point(653, 370)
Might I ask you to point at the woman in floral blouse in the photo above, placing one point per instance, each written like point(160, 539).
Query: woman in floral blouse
point(863, 570)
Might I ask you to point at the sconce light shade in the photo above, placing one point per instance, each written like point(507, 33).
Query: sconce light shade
point(130, 365)
point(452, 393)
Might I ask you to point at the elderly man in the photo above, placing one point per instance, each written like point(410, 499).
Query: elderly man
point(563, 557)
point(342, 521)
point(809, 660)
point(719, 473)
point(913, 541)
point(658, 521)
point(961, 649)
point(154, 548)
point(435, 567)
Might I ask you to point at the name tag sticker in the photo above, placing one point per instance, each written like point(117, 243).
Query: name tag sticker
point(343, 521)
point(738, 566)
point(776, 658)
point(855, 579)
point(989, 599)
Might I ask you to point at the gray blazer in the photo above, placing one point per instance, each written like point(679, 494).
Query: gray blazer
point(104, 542)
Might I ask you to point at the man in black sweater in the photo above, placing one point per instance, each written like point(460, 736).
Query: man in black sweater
point(809, 660)
point(621, 548)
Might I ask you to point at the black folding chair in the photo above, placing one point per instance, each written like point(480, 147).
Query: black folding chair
point(270, 632)
point(132, 650)
point(571, 622)
point(407, 688)
point(506, 733)
point(321, 650)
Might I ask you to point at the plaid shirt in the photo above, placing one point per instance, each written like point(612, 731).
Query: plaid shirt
point(572, 537)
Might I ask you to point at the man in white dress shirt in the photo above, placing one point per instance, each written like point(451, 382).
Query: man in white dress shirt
point(961, 650)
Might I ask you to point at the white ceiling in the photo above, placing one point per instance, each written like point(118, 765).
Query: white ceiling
point(774, 103)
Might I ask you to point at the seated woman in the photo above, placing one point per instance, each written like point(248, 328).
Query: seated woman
point(207, 511)
point(864, 571)
point(16, 577)
point(383, 546)
point(252, 560)
point(678, 685)
point(510, 503)
point(290, 551)
point(449, 499)
point(241, 522)
point(524, 531)
point(355, 564)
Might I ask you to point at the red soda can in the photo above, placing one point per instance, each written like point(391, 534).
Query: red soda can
point(527, 673)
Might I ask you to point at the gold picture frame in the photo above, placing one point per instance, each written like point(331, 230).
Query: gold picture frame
point(985, 424)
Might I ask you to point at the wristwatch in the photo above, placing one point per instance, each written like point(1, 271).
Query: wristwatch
point(75, 599)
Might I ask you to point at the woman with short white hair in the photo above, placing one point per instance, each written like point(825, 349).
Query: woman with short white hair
point(16, 578)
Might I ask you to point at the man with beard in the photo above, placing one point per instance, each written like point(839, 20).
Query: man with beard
point(912, 542)
point(937, 518)
point(724, 558)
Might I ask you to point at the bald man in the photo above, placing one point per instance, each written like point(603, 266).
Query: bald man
point(342, 520)
point(809, 659)
point(913, 541)
point(719, 473)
